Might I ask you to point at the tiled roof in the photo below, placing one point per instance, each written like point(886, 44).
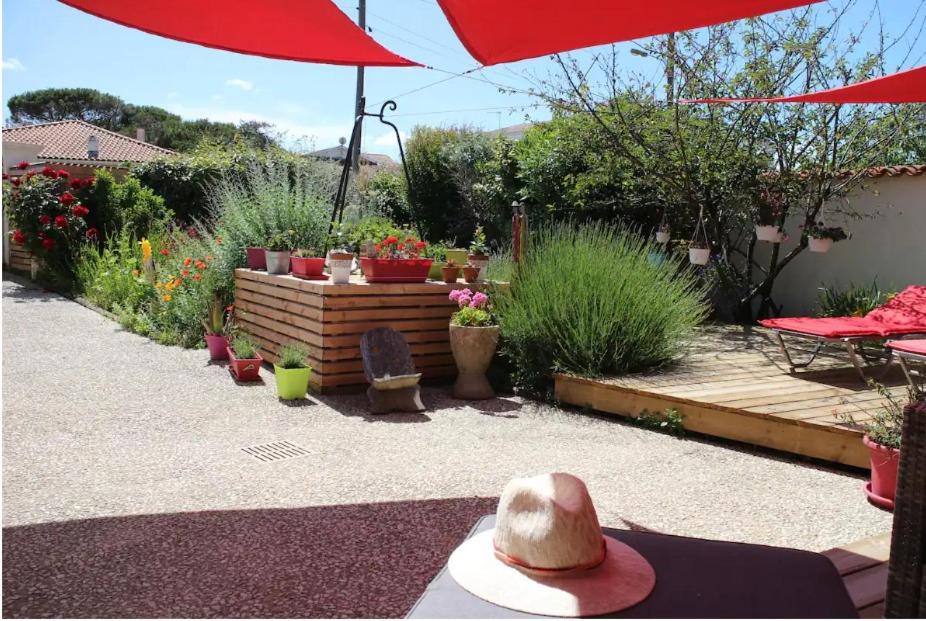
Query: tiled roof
point(340, 152)
point(66, 141)
point(911, 170)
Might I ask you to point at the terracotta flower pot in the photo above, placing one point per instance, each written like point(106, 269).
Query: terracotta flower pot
point(470, 274)
point(218, 346)
point(480, 261)
point(883, 484)
point(278, 261)
point(819, 244)
point(450, 274)
point(395, 270)
point(245, 369)
point(473, 349)
point(257, 258)
point(308, 267)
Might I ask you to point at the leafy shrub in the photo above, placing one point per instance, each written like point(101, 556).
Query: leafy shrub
point(294, 356)
point(853, 301)
point(886, 424)
point(127, 205)
point(351, 235)
point(110, 276)
point(587, 300)
point(386, 194)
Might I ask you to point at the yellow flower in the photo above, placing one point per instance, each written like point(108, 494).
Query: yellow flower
point(167, 297)
point(145, 250)
point(158, 285)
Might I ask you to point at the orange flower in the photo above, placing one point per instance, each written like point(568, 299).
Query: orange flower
point(187, 261)
point(197, 276)
point(185, 273)
point(200, 265)
point(164, 251)
point(167, 297)
point(178, 282)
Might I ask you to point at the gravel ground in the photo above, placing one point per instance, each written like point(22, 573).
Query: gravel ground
point(101, 423)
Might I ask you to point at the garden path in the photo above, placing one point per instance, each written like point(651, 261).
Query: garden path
point(124, 472)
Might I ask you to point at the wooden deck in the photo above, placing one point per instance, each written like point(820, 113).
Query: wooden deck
point(863, 567)
point(734, 384)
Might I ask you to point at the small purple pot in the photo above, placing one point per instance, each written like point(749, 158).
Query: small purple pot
point(257, 258)
point(218, 347)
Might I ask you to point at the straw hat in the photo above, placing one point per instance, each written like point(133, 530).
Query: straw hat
point(548, 556)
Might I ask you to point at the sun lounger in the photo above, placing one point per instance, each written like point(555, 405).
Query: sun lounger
point(903, 315)
point(909, 350)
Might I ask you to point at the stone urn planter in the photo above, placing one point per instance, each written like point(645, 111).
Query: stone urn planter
point(473, 349)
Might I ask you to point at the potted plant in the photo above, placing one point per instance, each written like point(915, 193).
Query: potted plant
point(450, 272)
point(473, 340)
point(306, 263)
point(279, 249)
point(470, 274)
point(438, 255)
point(457, 255)
point(218, 326)
point(257, 258)
point(397, 261)
point(663, 233)
point(292, 371)
point(340, 264)
point(245, 359)
point(699, 252)
point(479, 252)
point(770, 206)
point(820, 238)
point(882, 438)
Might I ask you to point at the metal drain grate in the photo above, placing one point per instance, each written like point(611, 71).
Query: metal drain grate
point(275, 451)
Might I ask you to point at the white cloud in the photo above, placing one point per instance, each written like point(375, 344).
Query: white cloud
point(13, 64)
point(239, 83)
point(388, 139)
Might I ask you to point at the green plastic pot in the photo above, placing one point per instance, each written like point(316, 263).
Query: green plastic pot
point(459, 257)
point(434, 273)
point(292, 383)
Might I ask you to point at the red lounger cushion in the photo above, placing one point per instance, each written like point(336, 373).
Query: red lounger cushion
point(827, 327)
point(913, 346)
point(905, 313)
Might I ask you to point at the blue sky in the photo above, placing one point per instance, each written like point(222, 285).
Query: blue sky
point(47, 44)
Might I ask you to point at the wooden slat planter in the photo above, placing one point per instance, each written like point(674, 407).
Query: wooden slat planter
point(20, 259)
point(330, 319)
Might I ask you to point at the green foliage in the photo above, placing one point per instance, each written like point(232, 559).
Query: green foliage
point(126, 206)
point(852, 301)
point(110, 276)
point(284, 240)
point(472, 318)
point(271, 197)
point(219, 319)
point(386, 194)
point(479, 246)
point(294, 356)
point(61, 104)
point(501, 266)
point(886, 424)
point(244, 347)
point(587, 300)
point(185, 181)
point(670, 421)
point(350, 236)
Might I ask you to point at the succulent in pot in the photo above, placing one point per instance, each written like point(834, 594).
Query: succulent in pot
point(699, 252)
point(473, 341)
point(245, 359)
point(820, 238)
point(479, 252)
point(279, 249)
point(218, 326)
point(292, 371)
point(307, 263)
point(450, 272)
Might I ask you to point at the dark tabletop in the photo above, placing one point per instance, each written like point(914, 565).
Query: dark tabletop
point(695, 578)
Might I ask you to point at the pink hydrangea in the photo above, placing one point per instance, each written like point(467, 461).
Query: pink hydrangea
point(463, 297)
point(480, 299)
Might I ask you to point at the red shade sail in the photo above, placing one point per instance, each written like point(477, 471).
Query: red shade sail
point(304, 30)
point(500, 31)
point(903, 87)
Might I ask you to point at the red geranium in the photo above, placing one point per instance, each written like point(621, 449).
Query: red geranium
point(63, 174)
point(15, 181)
point(18, 237)
point(23, 165)
point(391, 240)
point(48, 243)
point(48, 171)
point(92, 232)
point(165, 251)
point(5, 176)
point(420, 244)
point(30, 175)
point(44, 219)
point(66, 199)
point(76, 184)
point(61, 221)
point(80, 211)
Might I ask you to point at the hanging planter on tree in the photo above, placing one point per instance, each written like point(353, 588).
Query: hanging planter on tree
point(699, 248)
point(663, 233)
point(768, 233)
point(820, 238)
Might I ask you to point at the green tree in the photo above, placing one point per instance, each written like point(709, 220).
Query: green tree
point(61, 104)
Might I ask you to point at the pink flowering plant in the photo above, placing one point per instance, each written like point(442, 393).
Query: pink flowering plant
point(475, 309)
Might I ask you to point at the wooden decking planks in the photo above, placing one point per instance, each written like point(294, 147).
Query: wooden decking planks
point(734, 384)
point(863, 566)
point(330, 320)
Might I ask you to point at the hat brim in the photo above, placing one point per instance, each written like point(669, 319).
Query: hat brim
point(624, 579)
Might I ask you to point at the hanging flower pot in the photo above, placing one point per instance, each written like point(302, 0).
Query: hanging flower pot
point(699, 248)
point(768, 233)
point(257, 258)
point(699, 256)
point(819, 244)
point(663, 236)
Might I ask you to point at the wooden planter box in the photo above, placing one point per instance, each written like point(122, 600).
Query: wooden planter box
point(20, 259)
point(330, 319)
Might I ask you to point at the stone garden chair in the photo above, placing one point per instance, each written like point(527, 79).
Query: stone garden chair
point(388, 366)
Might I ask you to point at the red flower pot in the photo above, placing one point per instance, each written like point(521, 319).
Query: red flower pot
point(883, 484)
point(395, 270)
point(257, 258)
point(307, 267)
point(244, 369)
point(218, 346)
